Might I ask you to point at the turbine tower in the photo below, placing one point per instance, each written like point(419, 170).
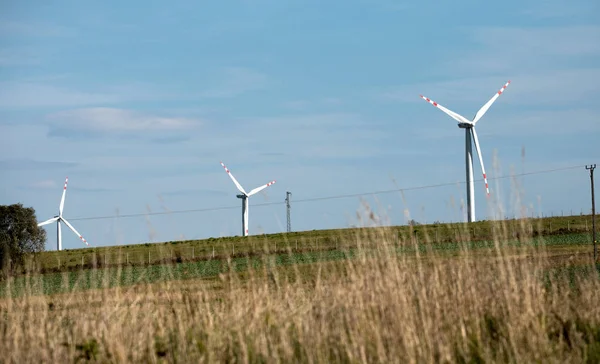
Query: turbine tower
point(244, 197)
point(470, 137)
point(59, 218)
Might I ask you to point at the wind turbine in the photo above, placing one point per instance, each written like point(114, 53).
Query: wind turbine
point(60, 219)
point(244, 196)
point(469, 126)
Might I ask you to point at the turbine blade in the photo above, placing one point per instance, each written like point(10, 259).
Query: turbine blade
point(75, 231)
point(258, 189)
point(48, 221)
point(62, 200)
point(237, 184)
point(485, 107)
point(480, 159)
point(452, 114)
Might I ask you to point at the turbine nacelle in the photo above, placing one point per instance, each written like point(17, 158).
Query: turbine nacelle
point(465, 125)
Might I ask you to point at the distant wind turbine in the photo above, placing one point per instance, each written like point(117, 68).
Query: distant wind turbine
point(59, 218)
point(469, 126)
point(244, 196)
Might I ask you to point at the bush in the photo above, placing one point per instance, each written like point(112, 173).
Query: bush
point(19, 235)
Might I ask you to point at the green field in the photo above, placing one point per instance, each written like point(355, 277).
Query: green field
point(81, 269)
point(307, 241)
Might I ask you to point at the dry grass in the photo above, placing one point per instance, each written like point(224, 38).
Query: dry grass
point(378, 307)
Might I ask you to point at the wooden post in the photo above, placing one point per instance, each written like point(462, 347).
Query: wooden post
point(192, 252)
point(213, 251)
point(148, 257)
point(82, 261)
point(127, 257)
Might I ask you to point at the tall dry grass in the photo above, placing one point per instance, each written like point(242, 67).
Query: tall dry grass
point(502, 305)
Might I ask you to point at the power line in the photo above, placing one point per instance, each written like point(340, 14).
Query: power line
point(323, 198)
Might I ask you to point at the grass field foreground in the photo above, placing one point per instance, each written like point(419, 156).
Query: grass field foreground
point(487, 305)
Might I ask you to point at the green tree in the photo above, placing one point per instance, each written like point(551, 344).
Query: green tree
point(19, 235)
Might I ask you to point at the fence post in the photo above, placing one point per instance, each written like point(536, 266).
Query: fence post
point(213, 251)
point(82, 261)
point(192, 252)
point(148, 256)
point(127, 257)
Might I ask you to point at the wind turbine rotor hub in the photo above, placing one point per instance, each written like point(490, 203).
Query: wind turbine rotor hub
point(465, 125)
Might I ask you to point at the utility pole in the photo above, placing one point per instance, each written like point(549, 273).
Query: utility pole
point(289, 218)
point(591, 169)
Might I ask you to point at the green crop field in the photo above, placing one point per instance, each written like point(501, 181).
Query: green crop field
point(218, 248)
point(81, 269)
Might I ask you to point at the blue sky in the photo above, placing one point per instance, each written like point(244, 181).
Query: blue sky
point(138, 102)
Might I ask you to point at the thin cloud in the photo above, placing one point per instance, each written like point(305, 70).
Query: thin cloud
point(199, 191)
point(558, 9)
point(43, 184)
point(557, 87)
point(28, 94)
point(172, 139)
point(236, 81)
point(112, 120)
point(41, 93)
point(502, 49)
point(31, 164)
point(19, 56)
point(312, 136)
point(27, 29)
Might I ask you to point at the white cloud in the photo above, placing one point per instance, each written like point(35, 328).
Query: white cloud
point(103, 119)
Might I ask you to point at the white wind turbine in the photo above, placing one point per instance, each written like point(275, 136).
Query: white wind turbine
point(60, 219)
point(244, 196)
point(469, 127)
